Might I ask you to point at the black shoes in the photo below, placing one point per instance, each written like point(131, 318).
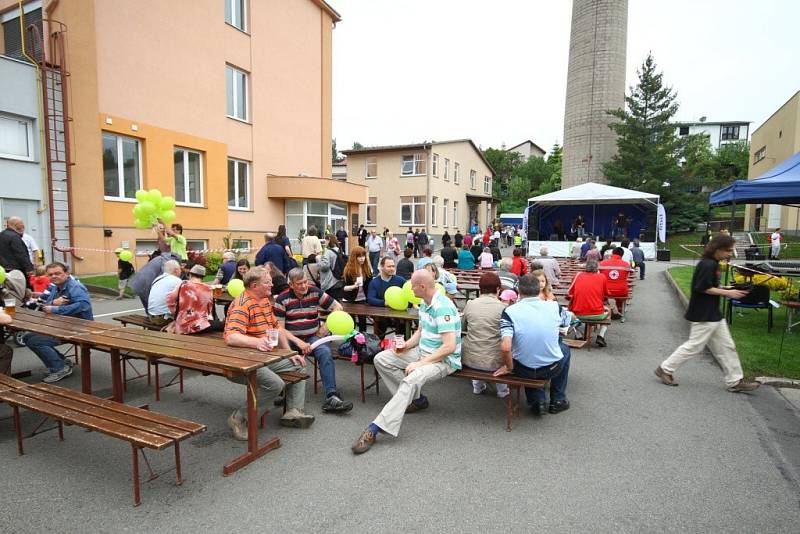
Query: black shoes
point(601, 341)
point(558, 406)
point(538, 408)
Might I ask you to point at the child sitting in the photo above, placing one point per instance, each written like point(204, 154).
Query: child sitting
point(39, 280)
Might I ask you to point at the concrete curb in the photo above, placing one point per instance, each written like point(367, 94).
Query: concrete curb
point(101, 290)
point(774, 381)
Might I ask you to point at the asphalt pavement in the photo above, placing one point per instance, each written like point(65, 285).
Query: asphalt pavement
point(631, 455)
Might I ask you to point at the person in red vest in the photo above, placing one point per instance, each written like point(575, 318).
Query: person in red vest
point(518, 266)
point(588, 293)
point(615, 269)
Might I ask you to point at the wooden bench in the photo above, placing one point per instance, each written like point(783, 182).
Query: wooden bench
point(141, 428)
point(138, 320)
point(515, 383)
point(589, 326)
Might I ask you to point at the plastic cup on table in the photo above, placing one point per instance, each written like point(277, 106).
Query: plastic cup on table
point(273, 336)
point(399, 341)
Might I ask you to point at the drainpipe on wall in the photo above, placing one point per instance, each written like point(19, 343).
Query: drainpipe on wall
point(428, 151)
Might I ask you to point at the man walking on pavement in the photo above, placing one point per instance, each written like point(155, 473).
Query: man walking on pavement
point(707, 325)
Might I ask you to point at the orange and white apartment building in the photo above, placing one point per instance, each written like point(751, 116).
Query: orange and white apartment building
point(223, 104)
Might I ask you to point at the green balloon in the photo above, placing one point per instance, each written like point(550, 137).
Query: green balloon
point(141, 195)
point(409, 293)
point(146, 208)
point(168, 216)
point(154, 196)
point(340, 323)
point(235, 287)
point(167, 203)
point(2, 275)
point(142, 224)
point(395, 299)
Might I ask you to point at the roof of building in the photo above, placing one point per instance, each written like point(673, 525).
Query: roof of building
point(710, 123)
point(543, 151)
point(329, 9)
point(416, 146)
point(777, 110)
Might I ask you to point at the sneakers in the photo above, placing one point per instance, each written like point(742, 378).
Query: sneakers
point(64, 372)
point(238, 426)
point(295, 418)
point(665, 377)
point(502, 391)
point(417, 405)
point(364, 442)
point(478, 387)
point(742, 386)
point(601, 341)
point(334, 404)
point(558, 406)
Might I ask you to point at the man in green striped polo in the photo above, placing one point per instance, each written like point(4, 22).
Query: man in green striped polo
point(432, 353)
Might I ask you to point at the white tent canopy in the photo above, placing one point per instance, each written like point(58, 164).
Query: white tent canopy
point(593, 193)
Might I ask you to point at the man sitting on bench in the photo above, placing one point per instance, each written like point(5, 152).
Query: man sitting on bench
point(250, 323)
point(432, 353)
point(64, 296)
point(587, 295)
point(615, 269)
point(530, 345)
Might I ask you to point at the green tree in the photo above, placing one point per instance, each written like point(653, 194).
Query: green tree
point(357, 145)
point(733, 162)
point(648, 152)
point(334, 152)
point(503, 163)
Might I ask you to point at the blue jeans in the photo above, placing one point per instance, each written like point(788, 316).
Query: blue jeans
point(557, 373)
point(42, 346)
point(324, 358)
point(373, 260)
point(641, 270)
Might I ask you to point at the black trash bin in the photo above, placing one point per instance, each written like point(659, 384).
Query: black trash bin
point(662, 255)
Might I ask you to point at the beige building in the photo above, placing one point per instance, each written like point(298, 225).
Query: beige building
point(772, 142)
point(438, 186)
point(224, 105)
point(527, 150)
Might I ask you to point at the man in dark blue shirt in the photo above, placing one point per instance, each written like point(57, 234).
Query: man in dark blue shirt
point(273, 252)
point(377, 288)
point(64, 296)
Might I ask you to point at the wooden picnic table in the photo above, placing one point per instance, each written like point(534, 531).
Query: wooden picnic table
point(197, 350)
point(407, 316)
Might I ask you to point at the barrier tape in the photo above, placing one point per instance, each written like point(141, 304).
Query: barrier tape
point(148, 252)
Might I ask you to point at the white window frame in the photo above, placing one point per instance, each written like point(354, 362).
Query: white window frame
point(487, 184)
point(434, 202)
point(760, 154)
point(235, 93)
point(366, 212)
point(29, 130)
point(242, 15)
point(417, 159)
point(435, 165)
point(201, 185)
point(120, 170)
point(456, 172)
point(446, 169)
point(366, 168)
point(236, 185)
point(473, 177)
point(445, 209)
point(413, 204)
point(236, 244)
point(455, 213)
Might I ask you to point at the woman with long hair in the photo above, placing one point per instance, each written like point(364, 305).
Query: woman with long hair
point(242, 266)
point(283, 240)
point(545, 290)
point(357, 275)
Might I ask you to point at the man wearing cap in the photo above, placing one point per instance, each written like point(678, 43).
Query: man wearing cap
point(124, 272)
point(481, 320)
point(191, 303)
point(432, 353)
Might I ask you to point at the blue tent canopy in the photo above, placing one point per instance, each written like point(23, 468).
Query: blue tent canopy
point(779, 185)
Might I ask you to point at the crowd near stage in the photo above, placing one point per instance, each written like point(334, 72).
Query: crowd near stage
point(602, 212)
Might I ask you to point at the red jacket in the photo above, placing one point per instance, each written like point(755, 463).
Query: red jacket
point(615, 269)
point(588, 294)
point(519, 266)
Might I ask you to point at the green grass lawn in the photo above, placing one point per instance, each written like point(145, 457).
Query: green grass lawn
point(109, 281)
point(674, 242)
point(762, 354)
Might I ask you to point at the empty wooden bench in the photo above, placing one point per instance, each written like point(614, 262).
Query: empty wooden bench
point(141, 428)
point(515, 383)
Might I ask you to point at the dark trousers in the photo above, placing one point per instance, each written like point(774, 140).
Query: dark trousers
point(373, 260)
point(557, 373)
point(641, 270)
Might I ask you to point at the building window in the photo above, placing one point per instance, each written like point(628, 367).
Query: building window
point(122, 166)
point(455, 213)
point(456, 171)
point(760, 154)
point(413, 165)
point(435, 165)
point(238, 184)
point(188, 177)
point(303, 214)
point(446, 169)
point(12, 37)
point(487, 184)
point(372, 211)
point(16, 138)
point(372, 167)
point(434, 202)
point(730, 133)
point(472, 177)
point(235, 13)
point(445, 209)
point(236, 83)
point(240, 244)
point(412, 211)
point(684, 130)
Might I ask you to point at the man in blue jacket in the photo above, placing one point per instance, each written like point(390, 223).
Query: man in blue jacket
point(377, 288)
point(64, 296)
point(271, 251)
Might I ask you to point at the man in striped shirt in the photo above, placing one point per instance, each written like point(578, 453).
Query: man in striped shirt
point(432, 353)
point(297, 309)
point(249, 323)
